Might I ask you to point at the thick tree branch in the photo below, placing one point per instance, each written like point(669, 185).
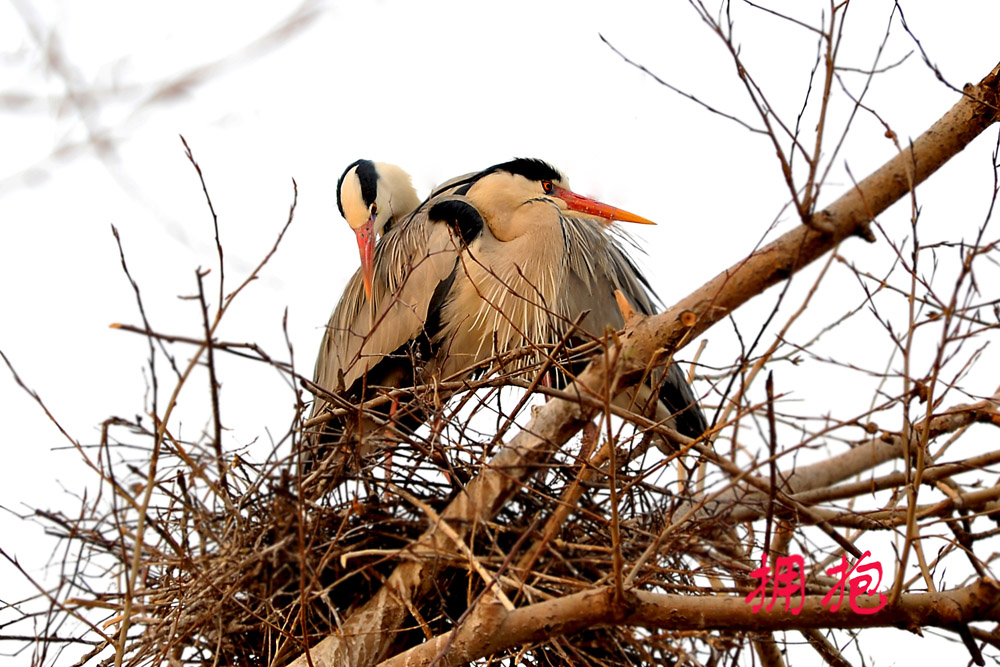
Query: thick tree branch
point(495, 630)
point(814, 483)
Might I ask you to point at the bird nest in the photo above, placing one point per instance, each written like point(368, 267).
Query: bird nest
point(247, 564)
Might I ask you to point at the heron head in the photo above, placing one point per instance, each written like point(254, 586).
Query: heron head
point(514, 183)
point(372, 196)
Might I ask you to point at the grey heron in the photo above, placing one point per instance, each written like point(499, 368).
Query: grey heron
point(371, 197)
point(490, 262)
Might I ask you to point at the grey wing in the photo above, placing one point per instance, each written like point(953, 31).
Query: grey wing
point(677, 395)
point(410, 262)
point(599, 265)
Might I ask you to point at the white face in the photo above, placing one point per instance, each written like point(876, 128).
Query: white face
point(505, 191)
point(382, 208)
point(500, 195)
point(511, 204)
point(394, 196)
point(356, 212)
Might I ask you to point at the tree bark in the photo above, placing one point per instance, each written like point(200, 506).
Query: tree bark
point(679, 613)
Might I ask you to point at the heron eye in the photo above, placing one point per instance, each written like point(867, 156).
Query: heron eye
point(547, 187)
point(374, 209)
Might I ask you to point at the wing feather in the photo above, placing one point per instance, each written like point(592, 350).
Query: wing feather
point(411, 260)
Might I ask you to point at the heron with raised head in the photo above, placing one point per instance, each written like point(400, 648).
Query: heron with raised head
point(490, 262)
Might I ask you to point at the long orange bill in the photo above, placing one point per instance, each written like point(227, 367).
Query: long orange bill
point(593, 207)
point(366, 247)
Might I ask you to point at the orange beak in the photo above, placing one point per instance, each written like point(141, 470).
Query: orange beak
point(590, 206)
point(366, 247)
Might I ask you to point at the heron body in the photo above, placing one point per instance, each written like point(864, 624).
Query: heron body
point(490, 262)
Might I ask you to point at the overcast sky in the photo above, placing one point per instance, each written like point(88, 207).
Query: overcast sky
point(438, 88)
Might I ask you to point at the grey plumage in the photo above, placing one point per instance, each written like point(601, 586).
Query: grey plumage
point(490, 262)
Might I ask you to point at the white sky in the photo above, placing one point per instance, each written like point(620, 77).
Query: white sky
point(439, 88)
